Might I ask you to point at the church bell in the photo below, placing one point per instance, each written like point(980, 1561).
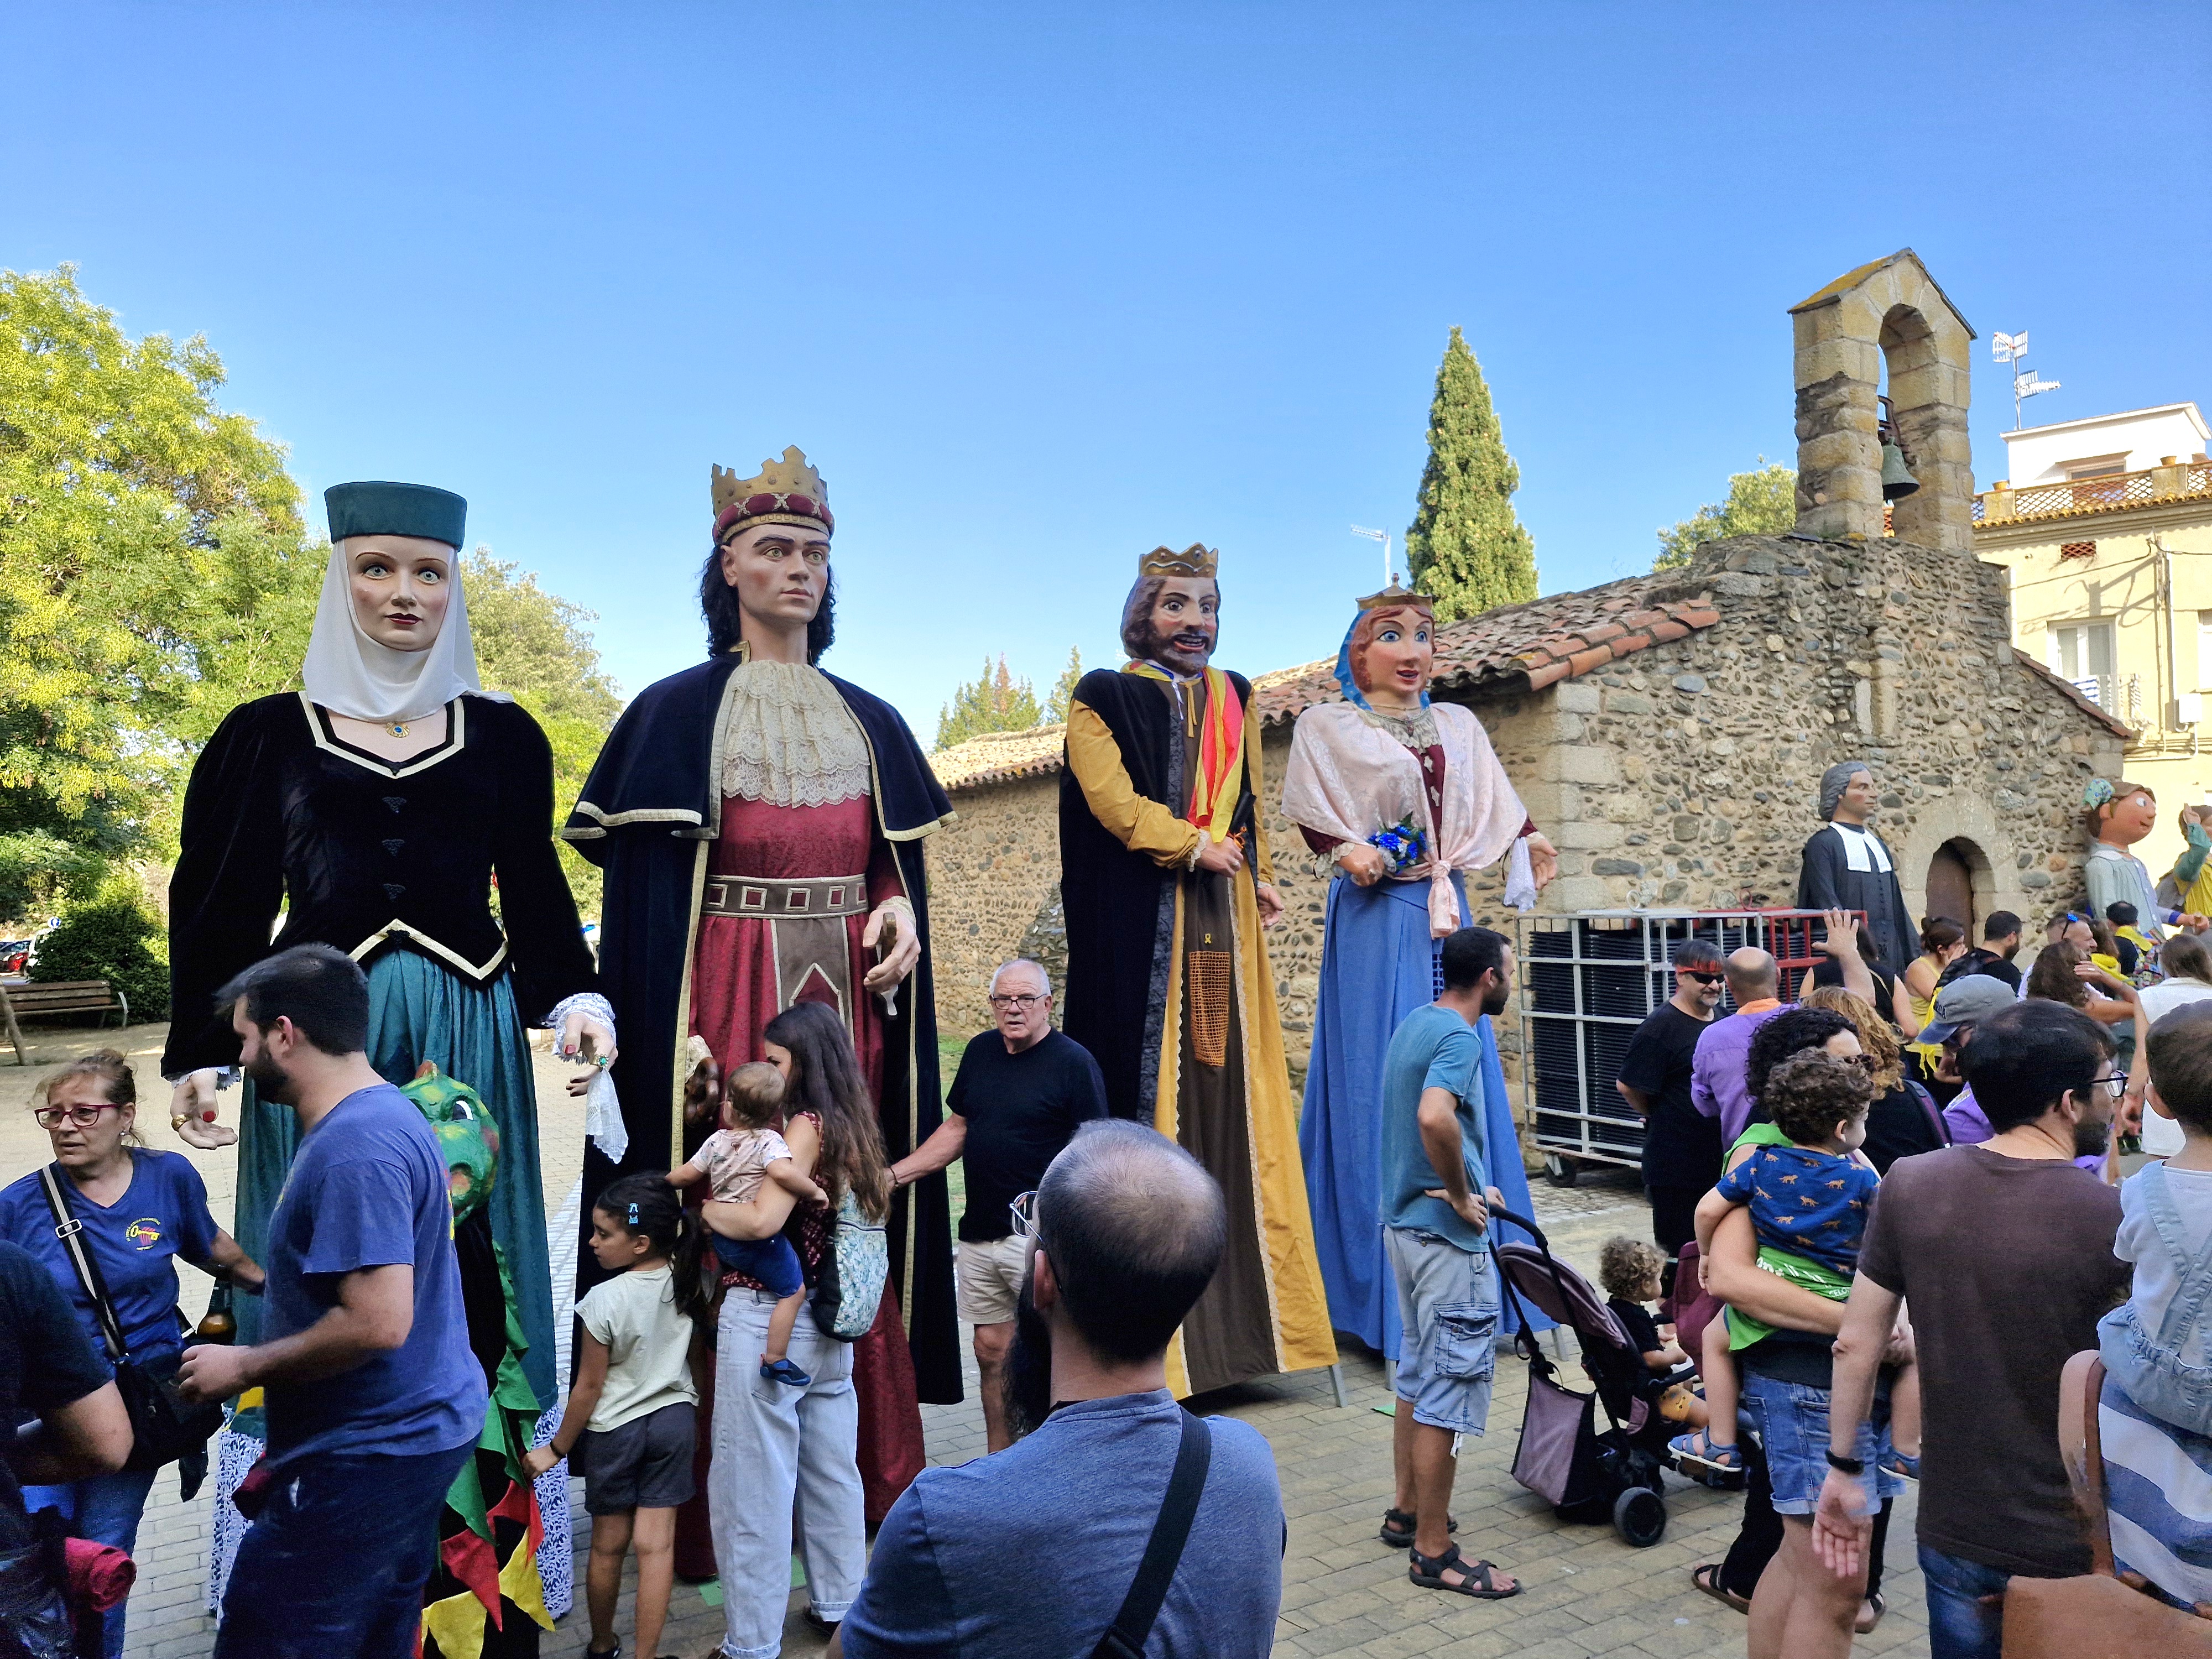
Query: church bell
point(1897, 478)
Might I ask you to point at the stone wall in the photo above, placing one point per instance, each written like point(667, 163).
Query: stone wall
point(991, 870)
point(1687, 775)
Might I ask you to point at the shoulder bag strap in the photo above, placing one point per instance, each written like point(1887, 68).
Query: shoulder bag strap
point(1133, 1624)
point(70, 1231)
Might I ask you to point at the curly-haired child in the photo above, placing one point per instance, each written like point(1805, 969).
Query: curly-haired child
point(1809, 1198)
point(1629, 1269)
point(736, 1161)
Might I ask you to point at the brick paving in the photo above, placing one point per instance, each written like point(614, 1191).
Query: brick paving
point(1344, 1594)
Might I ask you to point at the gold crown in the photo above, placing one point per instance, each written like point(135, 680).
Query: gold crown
point(785, 490)
point(1196, 560)
point(1395, 595)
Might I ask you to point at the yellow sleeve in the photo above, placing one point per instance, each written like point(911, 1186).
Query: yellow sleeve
point(1141, 825)
point(1263, 866)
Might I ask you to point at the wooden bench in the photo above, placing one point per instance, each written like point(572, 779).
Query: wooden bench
point(77, 996)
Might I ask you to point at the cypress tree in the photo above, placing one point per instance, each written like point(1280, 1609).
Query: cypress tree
point(1465, 545)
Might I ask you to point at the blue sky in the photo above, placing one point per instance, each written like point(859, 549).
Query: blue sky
point(1038, 287)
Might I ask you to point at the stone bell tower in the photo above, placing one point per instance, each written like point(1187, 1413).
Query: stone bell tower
point(1892, 311)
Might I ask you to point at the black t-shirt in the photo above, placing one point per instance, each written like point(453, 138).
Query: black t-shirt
point(1981, 961)
point(1021, 1109)
point(1681, 1146)
point(1899, 1125)
point(45, 1362)
point(1636, 1319)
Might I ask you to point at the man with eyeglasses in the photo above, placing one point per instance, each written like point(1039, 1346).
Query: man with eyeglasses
point(1022, 1091)
point(2005, 1253)
point(1681, 1146)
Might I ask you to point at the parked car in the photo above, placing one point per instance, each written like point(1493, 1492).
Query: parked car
point(15, 955)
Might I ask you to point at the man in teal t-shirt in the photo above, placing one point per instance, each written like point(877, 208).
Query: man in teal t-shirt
point(1436, 1232)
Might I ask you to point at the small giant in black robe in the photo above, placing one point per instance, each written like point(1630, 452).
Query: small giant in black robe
point(1827, 881)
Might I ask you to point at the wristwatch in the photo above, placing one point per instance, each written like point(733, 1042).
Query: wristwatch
point(1843, 1465)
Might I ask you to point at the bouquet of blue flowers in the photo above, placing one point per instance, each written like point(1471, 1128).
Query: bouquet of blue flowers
point(1403, 846)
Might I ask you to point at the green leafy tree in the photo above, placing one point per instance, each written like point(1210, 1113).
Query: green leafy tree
point(1763, 502)
point(1063, 688)
point(154, 571)
point(536, 647)
point(1464, 546)
point(994, 701)
point(115, 937)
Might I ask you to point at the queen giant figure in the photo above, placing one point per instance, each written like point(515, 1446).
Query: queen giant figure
point(1404, 796)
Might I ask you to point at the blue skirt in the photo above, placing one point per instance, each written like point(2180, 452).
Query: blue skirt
point(418, 1012)
point(1378, 964)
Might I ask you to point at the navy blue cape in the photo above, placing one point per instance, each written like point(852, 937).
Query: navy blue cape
point(644, 811)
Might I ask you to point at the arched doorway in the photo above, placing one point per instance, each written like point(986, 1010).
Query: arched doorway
point(1951, 884)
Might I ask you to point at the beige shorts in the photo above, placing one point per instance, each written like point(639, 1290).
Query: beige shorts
point(988, 1279)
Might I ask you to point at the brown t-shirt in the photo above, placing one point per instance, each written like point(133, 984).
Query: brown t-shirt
point(2006, 1265)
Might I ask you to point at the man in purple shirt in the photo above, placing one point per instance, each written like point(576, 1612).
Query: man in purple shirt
point(1716, 1085)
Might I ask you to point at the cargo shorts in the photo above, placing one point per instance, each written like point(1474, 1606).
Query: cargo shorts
point(1447, 1302)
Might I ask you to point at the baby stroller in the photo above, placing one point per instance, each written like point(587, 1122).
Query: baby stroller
point(1587, 1476)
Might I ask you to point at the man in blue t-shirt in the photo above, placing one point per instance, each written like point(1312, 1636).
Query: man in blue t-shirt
point(1033, 1550)
point(1436, 1234)
point(373, 1399)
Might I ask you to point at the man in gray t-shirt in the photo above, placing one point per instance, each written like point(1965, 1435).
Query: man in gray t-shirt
point(1126, 1231)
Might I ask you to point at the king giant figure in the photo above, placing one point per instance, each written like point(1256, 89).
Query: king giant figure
point(760, 823)
point(1166, 883)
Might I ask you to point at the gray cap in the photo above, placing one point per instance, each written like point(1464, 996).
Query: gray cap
point(1966, 1001)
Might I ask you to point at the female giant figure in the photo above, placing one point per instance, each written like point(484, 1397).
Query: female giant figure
point(1405, 797)
point(373, 810)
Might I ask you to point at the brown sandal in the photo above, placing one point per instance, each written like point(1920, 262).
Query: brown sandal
point(1706, 1576)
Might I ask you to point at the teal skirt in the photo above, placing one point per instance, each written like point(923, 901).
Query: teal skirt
point(418, 1012)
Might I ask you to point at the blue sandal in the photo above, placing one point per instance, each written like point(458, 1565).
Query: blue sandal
point(1696, 1447)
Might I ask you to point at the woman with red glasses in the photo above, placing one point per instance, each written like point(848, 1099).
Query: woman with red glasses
point(139, 1211)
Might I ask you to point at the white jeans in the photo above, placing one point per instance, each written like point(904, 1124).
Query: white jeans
point(783, 1457)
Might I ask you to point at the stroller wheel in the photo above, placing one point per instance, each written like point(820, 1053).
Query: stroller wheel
point(1639, 1516)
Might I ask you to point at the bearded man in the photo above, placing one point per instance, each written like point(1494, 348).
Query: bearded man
point(760, 823)
point(1166, 884)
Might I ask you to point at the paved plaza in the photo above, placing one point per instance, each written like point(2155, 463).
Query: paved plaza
point(1344, 1593)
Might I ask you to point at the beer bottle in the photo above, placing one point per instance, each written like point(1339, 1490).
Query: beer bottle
point(219, 1324)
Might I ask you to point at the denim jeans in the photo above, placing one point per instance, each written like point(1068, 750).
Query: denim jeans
point(333, 1567)
point(783, 1455)
point(1960, 1625)
point(104, 1509)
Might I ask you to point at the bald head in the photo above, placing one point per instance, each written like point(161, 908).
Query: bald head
point(1753, 975)
point(1134, 1228)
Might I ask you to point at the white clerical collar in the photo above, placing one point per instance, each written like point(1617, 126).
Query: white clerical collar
point(1863, 849)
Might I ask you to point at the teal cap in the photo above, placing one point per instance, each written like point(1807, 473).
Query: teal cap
point(396, 509)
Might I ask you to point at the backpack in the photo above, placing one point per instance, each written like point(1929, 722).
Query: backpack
point(849, 1286)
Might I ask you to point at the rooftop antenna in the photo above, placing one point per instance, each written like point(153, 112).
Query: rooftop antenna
point(2013, 348)
point(1383, 536)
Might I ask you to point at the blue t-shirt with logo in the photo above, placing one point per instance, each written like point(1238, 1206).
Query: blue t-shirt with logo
point(137, 1241)
point(368, 1189)
point(1434, 1049)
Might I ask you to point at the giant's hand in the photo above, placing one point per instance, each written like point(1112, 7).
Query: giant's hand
point(1543, 860)
point(1271, 905)
point(1223, 857)
point(890, 928)
point(587, 1040)
point(192, 1111)
point(1365, 864)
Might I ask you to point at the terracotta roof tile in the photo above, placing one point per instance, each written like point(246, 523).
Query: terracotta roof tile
point(1533, 645)
point(996, 755)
